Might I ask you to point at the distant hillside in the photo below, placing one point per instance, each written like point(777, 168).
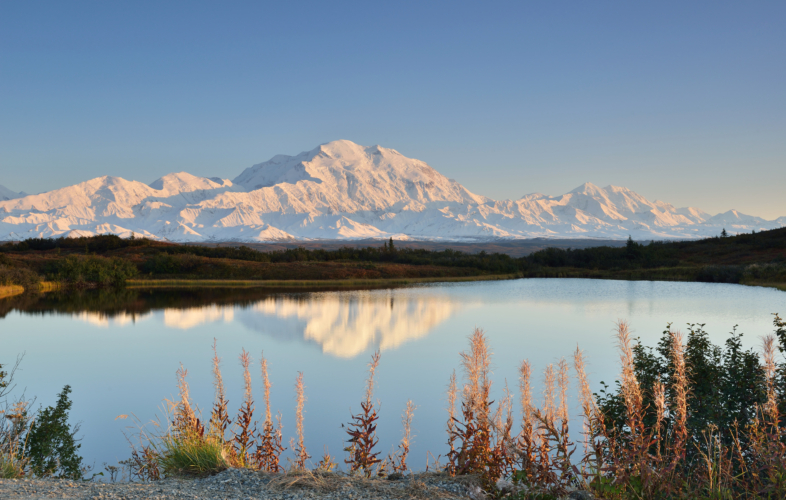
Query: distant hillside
point(746, 258)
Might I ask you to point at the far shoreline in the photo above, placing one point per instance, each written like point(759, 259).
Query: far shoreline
point(197, 283)
point(7, 291)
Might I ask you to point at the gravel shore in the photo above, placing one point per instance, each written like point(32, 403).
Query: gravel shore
point(245, 484)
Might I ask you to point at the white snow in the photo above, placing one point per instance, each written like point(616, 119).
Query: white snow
point(7, 194)
point(341, 190)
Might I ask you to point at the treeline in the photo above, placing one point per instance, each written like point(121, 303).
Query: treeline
point(109, 259)
point(160, 258)
point(735, 259)
point(168, 261)
point(101, 243)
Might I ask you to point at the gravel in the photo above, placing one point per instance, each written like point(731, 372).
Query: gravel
point(245, 484)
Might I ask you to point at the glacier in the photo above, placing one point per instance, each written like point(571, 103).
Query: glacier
point(341, 190)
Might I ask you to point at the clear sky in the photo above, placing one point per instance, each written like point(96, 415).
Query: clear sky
point(679, 101)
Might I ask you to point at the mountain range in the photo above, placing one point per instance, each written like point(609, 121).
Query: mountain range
point(341, 190)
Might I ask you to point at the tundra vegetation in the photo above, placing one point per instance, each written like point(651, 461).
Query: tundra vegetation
point(686, 419)
point(105, 260)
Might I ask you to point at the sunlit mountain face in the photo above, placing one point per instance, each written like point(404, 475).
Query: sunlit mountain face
point(342, 190)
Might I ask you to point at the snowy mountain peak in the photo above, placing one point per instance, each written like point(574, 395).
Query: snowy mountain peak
point(588, 188)
point(344, 190)
point(341, 149)
point(735, 219)
point(7, 194)
point(183, 182)
point(344, 176)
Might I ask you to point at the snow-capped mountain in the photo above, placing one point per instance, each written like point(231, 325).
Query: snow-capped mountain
point(7, 194)
point(343, 190)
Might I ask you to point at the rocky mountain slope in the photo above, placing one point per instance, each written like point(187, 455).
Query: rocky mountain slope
point(342, 190)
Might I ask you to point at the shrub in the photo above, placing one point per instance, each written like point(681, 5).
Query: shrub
point(52, 448)
point(80, 270)
point(720, 274)
point(166, 263)
point(362, 430)
point(43, 444)
point(21, 276)
point(765, 272)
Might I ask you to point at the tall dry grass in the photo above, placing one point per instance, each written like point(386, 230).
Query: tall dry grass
point(398, 460)
point(219, 418)
point(14, 430)
point(269, 449)
point(15, 424)
point(648, 450)
point(301, 455)
point(245, 429)
point(451, 425)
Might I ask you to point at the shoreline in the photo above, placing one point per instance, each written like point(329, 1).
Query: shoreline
point(777, 286)
point(10, 290)
point(247, 483)
point(229, 283)
point(7, 291)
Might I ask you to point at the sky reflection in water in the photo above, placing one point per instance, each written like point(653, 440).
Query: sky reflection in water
point(120, 350)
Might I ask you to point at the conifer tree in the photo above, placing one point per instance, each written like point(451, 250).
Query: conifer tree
point(51, 443)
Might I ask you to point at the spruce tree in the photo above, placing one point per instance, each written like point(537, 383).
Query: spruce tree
point(51, 444)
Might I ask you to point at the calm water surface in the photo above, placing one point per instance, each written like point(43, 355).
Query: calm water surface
point(120, 350)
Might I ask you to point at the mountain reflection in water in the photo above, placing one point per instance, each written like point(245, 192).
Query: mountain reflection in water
point(342, 324)
point(346, 326)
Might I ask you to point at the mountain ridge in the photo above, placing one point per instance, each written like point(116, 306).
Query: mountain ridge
point(342, 190)
point(7, 194)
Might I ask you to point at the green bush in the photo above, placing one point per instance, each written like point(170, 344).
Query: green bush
point(18, 276)
point(726, 385)
point(166, 263)
point(765, 272)
point(719, 274)
point(92, 270)
point(51, 446)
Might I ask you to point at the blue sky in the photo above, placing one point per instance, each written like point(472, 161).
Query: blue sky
point(679, 101)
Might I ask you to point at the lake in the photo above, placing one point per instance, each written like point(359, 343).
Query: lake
point(119, 350)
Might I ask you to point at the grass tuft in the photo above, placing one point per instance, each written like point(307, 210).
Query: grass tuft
point(191, 454)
